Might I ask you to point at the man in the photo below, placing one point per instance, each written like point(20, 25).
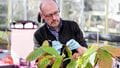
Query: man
point(58, 31)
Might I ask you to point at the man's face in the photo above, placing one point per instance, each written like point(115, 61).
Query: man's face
point(50, 13)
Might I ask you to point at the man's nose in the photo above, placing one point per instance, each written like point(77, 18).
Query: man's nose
point(54, 17)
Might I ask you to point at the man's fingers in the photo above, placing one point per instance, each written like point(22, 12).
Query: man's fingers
point(75, 55)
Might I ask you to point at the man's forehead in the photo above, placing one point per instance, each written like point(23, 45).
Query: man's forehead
point(47, 3)
point(46, 6)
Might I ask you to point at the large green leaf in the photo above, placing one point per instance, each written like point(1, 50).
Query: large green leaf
point(91, 50)
point(83, 61)
point(40, 51)
point(57, 62)
point(44, 62)
point(103, 54)
point(114, 51)
point(72, 64)
point(104, 58)
point(35, 54)
point(50, 51)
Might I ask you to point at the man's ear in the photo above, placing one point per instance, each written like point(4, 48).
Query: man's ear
point(41, 17)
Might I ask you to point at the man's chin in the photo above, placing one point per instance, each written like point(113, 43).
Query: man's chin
point(53, 26)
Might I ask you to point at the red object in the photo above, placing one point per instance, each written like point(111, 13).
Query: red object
point(7, 60)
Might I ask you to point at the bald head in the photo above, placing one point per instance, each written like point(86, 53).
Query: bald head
point(46, 4)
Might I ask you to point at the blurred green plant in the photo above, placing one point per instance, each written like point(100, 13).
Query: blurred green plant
point(3, 38)
point(94, 56)
point(3, 41)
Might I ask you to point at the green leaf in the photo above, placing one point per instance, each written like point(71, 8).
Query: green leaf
point(91, 50)
point(95, 60)
point(104, 58)
point(72, 64)
point(35, 54)
point(114, 51)
point(82, 61)
point(44, 62)
point(89, 65)
point(51, 51)
point(85, 58)
point(69, 52)
point(57, 62)
point(45, 43)
point(103, 54)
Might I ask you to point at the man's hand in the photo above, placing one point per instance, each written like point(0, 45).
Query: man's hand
point(57, 46)
point(80, 52)
point(72, 44)
point(75, 56)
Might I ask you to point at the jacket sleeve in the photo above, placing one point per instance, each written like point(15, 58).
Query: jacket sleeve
point(38, 39)
point(79, 35)
point(36, 44)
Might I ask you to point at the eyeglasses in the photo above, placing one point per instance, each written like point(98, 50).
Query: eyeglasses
point(52, 14)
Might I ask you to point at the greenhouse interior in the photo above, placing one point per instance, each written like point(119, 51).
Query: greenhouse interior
point(99, 20)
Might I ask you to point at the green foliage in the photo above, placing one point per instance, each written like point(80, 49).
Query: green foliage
point(85, 58)
point(50, 51)
point(57, 62)
point(3, 20)
point(45, 43)
point(44, 62)
point(103, 54)
point(3, 41)
point(90, 50)
point(35, 54)
point(89, 65)
point(104, 58)
point(72, 64)
point(69, 52)
point(46, 54)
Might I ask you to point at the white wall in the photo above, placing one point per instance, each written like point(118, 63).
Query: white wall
point(22, 41)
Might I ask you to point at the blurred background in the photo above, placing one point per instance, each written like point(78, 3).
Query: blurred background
point(98, 19)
